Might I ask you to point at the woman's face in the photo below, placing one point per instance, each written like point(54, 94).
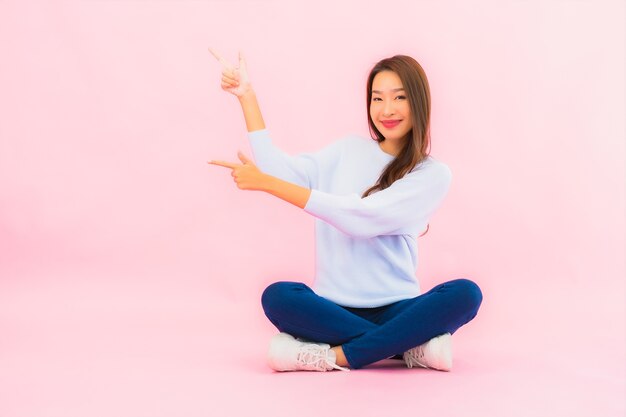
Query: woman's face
point(390, 103)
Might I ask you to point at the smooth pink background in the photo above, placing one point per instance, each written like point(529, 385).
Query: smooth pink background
point(131, 271)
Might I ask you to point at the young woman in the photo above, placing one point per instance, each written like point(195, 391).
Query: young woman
point(371, 200)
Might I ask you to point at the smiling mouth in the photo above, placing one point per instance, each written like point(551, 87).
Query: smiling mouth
point(391, 123)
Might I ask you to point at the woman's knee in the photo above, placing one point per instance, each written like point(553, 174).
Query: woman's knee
point(470, 292)
point(279, 293)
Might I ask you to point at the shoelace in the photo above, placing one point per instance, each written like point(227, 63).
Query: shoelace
point(315, 358)
point(412, 357)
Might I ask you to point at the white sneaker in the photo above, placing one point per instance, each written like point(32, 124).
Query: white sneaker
point(434, 354)
point(288, 354)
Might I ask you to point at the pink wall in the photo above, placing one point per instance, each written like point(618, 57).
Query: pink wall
point(110, 110)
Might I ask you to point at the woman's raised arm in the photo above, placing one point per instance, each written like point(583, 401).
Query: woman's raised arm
point(302, 169)
point(237, 82)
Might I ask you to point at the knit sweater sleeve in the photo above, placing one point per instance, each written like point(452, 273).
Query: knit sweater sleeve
point(302, 169)
point(408, 203)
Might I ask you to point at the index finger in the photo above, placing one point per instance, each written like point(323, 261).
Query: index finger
point(221, 59)
point(224, 164)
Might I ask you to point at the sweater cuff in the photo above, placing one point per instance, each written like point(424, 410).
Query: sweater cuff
point(262, 134)
point(319, 204)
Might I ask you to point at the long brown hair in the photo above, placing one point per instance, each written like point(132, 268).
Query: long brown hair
point(417, 145)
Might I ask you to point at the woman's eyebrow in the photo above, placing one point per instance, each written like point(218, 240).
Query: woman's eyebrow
point(392, 90)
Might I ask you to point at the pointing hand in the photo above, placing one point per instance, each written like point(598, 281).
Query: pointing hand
point(234, 80)
point(246, 175)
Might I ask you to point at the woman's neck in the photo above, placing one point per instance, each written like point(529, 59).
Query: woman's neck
point(392, 147)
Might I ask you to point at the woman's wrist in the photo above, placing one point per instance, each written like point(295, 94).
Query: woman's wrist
point(247, 96)
point(291, 193)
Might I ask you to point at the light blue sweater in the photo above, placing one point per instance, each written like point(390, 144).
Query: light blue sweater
point(366, 248)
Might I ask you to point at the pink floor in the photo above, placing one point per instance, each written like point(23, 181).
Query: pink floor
point(95, 344)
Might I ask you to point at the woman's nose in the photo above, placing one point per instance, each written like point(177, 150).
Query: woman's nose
point(388, 110)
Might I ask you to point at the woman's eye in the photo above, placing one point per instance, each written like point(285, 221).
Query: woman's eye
point(378, 98)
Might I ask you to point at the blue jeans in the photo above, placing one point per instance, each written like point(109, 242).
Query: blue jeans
point(368, 335)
